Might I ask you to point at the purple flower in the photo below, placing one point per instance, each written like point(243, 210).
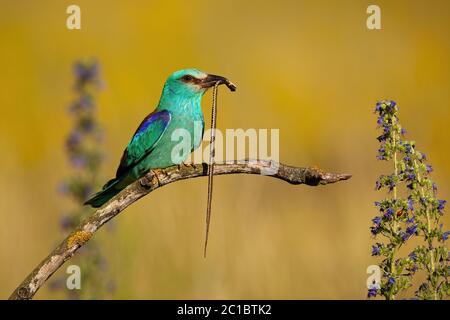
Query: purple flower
point(411, 177)
point(412, 229)
point(441, 205)
point(445, 236)
point(382, 138)
point(377, 185)
point(411, 204)
point(74, 139)
point(403, 131)
point(84, 103)
point(389, 213)
point(380, 120)
point(376, 250)
point(434, 187)
point(409, 232)
point(429, 168)
point(423, 156)
point(66, 222)
point(87, 191)
point(413, 256)
point(372, 292)
point(63, 188)
point(87, 124)
point(411, 220)
point(378, 107)
point(86, 72)
point(391, 185)
point(376, 220)
point(391, 281)
point(78, 161)
point(405, 236)
point(375, 230)
point(423, 201)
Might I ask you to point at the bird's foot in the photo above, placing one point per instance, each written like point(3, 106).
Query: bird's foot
point(188, 164)
point(155, 176)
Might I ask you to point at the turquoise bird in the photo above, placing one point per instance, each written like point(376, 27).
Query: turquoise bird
point(152, 144)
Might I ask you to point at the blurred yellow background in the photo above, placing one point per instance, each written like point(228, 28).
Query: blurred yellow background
point(310, 68)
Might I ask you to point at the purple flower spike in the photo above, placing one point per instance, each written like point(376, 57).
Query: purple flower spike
point(410, 211)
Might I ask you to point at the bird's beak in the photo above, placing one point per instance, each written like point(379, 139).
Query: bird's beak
point(212, 79)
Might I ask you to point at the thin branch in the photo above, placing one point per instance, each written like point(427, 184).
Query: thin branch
point(154, 180)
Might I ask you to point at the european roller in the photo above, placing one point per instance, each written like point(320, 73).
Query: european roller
point(152, 144)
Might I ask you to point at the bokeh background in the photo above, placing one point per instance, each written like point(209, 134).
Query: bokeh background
point(310, 68)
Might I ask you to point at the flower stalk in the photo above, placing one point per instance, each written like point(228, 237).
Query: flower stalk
point(414, 218)
point(83, 149)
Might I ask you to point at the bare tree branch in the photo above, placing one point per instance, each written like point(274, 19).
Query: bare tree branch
point(154, 180)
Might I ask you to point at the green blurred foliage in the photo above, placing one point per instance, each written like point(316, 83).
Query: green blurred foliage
point(310, 68)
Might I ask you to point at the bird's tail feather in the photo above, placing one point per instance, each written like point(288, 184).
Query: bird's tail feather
point(109, 190)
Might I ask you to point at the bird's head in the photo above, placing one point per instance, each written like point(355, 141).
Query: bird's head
point(190, 83)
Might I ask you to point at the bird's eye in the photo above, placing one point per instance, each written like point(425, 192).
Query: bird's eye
point(187, 78)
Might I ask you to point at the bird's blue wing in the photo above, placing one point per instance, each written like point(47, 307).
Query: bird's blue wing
point(144, 140)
